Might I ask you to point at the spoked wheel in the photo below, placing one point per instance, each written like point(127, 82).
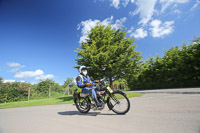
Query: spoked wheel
point(82, 104)
point(119, 102)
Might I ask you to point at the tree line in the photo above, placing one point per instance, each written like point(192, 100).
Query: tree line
point(19, 91)
point(178, 68)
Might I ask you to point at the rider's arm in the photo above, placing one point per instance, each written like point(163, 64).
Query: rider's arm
point(79, 82)
point(95, 81)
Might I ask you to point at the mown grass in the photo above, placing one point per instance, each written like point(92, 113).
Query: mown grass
point(49, 101)
point(130, 95)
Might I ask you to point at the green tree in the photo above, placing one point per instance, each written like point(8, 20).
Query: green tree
point(13, 91)
point(108, 53)
point(69, 81)
point(179, 67)
point(1, 80)
point(43, 87)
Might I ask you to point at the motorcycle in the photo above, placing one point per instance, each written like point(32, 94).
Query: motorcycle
point(116, 100)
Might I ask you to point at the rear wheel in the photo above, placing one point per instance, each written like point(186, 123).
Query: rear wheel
point(83, 104)
point(119, 102)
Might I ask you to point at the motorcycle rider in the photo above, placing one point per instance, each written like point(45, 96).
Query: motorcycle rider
point(85, 85)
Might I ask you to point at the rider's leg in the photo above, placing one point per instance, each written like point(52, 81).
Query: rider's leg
point(87, 91)
point(92, 92)
point(94, 97)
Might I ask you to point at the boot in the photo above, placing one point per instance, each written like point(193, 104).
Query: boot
point(97, 102)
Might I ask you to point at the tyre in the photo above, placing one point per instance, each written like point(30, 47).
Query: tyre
point(119, 102)
point(82, 104)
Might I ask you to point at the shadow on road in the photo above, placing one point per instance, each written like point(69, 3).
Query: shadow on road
point(70, 113)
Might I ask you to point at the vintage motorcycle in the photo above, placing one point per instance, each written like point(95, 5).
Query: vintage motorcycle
point(116, 100)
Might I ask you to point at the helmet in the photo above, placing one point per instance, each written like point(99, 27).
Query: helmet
point(82, 68)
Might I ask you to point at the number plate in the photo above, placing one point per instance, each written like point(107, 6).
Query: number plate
point(109, 89)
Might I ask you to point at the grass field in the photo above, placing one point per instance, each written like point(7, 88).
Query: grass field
point(49, 101)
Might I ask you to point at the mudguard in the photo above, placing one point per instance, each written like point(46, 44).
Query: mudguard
point(109, 104)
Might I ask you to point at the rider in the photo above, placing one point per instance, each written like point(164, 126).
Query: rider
point(85, 85)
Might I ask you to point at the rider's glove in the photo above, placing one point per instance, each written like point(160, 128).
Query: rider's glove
point(89, 84)
point(97, 81)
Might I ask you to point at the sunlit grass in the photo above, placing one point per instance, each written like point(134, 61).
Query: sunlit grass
point(49, 101)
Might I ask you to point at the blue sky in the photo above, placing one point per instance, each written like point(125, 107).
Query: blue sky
point(38, 37)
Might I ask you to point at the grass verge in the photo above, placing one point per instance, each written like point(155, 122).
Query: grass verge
point(49, 101)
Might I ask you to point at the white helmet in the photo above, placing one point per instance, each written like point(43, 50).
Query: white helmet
point(81, 68)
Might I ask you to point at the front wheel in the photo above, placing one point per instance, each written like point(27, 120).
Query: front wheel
point(118, 102)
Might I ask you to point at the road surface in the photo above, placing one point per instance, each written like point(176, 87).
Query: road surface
point(157, 111)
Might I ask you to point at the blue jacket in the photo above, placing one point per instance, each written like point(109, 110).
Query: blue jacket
point(86, 80)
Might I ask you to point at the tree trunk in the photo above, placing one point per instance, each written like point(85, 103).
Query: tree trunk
point(68, 90)
point(29, 92)
point(49, 91)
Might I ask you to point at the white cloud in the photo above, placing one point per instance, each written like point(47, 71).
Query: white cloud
point(177, 11)
point(14, 70)
point(37, 74)
point(115, 3)
point(22, 81)
point(119, 22)
point(29, 74)
point(15, 66)
point(8, 80)
point(11, 80)
point(44, 77)
point(195, 5)
point(168, 3)
point(106, 21)
point(130, 30)
point(145, 8)
point(125, 3)
point(86, 26)
point(139, 33)
point(160, 29)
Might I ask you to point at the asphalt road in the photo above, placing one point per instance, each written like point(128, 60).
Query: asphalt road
point(157, 111)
